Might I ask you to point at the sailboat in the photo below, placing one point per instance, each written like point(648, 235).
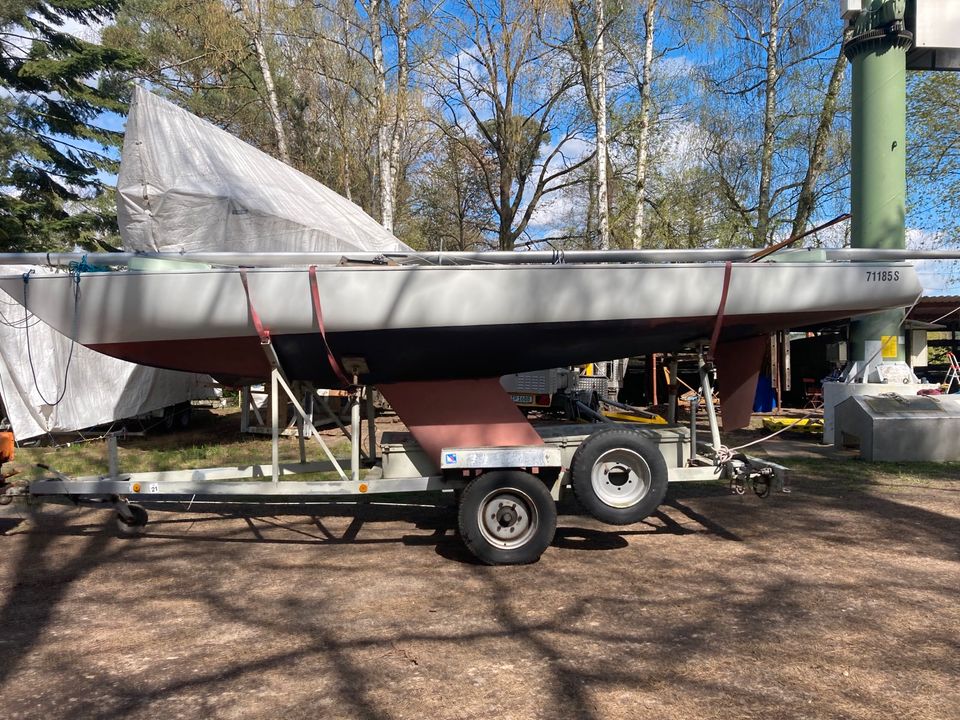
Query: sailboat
point(233, 250)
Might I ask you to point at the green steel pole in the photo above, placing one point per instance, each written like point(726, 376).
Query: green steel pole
point(877, 51)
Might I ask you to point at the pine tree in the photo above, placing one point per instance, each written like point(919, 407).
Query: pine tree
point(54, 88)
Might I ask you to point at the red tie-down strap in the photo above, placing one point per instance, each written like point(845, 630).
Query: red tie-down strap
point(315, 293)
point(261, 330)
point(714, 339)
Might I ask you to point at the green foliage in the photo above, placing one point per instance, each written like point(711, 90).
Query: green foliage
point(451, 206)
point(199, 52)
point(933, 157)
point(54, 88)
point(520, 140)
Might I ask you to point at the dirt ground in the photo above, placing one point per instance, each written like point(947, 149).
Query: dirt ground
point(839, 600)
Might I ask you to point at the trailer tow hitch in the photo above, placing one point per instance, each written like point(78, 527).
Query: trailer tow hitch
point(760, 479)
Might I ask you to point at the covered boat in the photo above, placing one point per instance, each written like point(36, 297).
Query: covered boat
point(185, 185)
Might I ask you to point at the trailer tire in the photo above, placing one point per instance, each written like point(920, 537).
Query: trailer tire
point(136, 525)
point(184, 411)
point(507, 517)
point(619, 476)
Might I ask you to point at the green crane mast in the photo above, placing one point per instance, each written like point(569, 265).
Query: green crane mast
point(877, 50)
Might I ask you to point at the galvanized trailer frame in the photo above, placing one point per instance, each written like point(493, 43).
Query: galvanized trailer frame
point(510, 514)
point(362, 478)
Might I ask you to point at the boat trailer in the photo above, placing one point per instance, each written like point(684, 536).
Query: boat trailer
point(506, 495)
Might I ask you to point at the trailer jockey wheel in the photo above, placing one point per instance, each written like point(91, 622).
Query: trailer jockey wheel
point(619, 476)
point(507, 517)
point(135, 524)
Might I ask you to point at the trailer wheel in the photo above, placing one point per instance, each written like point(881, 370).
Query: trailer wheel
point(136, 524)
point(619, 476)
point(507, 517)
point(184, 412)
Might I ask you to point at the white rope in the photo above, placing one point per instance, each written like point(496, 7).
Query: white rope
point(774, 434)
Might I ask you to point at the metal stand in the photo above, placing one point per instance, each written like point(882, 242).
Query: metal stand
point(707, 389)
point(673, 390)
point(739, 469)
point(277, 381)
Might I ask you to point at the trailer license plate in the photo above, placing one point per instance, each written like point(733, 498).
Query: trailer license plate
point(522, 399)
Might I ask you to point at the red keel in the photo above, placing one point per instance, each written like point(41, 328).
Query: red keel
point(459, 413)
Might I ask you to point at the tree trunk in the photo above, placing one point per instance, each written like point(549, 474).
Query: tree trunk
point(506, 216)
point(592, 187)
point(271, 89)
point(769, 121)
point(384, 134)
point(346, 170)
point(400, 114)
point(603, 206)
point(643, 137)
point(818, 152)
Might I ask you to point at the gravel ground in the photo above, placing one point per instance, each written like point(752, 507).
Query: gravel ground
point(836, 601)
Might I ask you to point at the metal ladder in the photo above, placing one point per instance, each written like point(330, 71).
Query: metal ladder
point(953, 374)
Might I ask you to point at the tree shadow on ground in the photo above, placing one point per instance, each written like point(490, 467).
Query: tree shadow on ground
point(39, 584)
point(568, 618)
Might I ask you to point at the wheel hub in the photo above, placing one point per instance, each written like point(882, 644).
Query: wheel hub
point(508, 518)
point(620, 478)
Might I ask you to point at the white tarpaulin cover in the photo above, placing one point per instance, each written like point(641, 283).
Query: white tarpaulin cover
point(99, 389)
point(186, 185)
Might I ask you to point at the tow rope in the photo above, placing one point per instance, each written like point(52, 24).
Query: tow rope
point(315, 294)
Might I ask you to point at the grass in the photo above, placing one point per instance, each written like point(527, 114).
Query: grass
point(213, 441)
point(857, 474)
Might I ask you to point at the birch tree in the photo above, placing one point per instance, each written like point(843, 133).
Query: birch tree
point(590, 55)
point(502, 83)
point(201, 54)
point(375, 19)
point(335, 100)
point(645, 76)
point(773, 51)
point(380, 34)
point(252, 19)
point(603, 201)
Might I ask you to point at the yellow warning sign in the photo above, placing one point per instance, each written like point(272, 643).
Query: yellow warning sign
point(888, 346)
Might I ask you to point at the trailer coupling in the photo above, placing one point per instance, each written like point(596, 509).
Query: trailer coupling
point(761, 475)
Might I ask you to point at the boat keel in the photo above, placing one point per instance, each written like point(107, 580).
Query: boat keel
point(459, 413)
point(738, 366)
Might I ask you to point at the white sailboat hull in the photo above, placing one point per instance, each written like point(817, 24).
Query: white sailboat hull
point(438, 322)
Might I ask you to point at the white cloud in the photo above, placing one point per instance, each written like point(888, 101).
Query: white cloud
point(553, 212)
point(674, 67)
point(925, 239)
